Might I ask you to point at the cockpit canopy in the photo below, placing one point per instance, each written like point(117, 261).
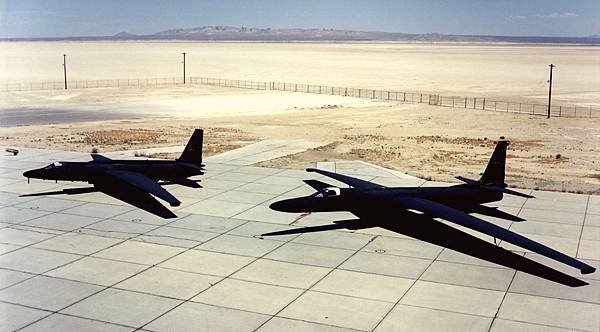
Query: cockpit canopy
point(53, 165)
point(328, 192)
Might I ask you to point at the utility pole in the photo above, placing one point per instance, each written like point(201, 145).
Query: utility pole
point(183, 67)
point(550, 91)
point(65, 69)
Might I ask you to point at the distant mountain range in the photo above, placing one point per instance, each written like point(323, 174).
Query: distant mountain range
point(228, 33)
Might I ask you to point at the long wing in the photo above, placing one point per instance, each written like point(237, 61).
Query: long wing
point(424, 228)
point(458, 217)
point(317, 185)
point(144, 183)
point(353, 182)
point(124, 191)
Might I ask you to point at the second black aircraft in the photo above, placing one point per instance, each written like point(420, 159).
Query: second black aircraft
point(131, 181)
point(411, 211)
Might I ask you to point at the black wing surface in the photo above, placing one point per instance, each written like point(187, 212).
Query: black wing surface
point(435, 209)
point(128, 193)
point(144, 183)
point(353, 182)
point(425, 228)
point(317, 185)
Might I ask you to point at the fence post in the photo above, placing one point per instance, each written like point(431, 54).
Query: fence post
point(474, 102)
point(465, 102)
point(495, 102)
point(575, 111)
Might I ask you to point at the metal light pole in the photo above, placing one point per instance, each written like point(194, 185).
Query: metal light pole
point(550, 90)
point(65, 69)
point(183, 67)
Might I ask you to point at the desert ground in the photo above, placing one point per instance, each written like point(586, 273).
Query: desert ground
point(488, 70)
point(431, 142)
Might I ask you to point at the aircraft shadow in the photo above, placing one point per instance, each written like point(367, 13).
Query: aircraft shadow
point(69, 191)
point(427, 229)
point(135, 197)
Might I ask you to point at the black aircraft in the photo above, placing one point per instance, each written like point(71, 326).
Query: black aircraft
point(411, 211)
point(131, 181)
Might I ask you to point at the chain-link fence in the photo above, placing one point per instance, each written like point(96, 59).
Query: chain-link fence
point(82, 84)
point(475, 103)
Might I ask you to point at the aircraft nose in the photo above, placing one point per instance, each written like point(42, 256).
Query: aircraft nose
point(280, 206)
point(31, 174)
point(291, 205)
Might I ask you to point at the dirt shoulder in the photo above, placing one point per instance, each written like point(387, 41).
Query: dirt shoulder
point(431, 142)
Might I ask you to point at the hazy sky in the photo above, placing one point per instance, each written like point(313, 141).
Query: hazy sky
point(51, 18)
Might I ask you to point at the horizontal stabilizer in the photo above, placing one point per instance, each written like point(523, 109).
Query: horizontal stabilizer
point(516, 193)
point(467, 180)
point(506, 191)
point(494, 212)
point(493, 188)
point(186, 182)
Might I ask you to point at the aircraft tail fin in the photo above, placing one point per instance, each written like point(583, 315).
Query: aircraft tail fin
point(193, 150)
point(494, 172)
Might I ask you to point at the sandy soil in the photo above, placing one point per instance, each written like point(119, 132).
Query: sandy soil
point(430, 142)
point(427, 141)
point(475, 70)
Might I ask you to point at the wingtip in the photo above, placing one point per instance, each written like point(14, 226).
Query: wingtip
point(588, 270)
point(311, 169)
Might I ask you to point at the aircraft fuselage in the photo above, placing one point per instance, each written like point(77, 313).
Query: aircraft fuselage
point(361, 201)
point(156, 170)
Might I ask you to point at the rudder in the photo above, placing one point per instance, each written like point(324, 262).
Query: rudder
point(494, 172)
point(193, 150)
